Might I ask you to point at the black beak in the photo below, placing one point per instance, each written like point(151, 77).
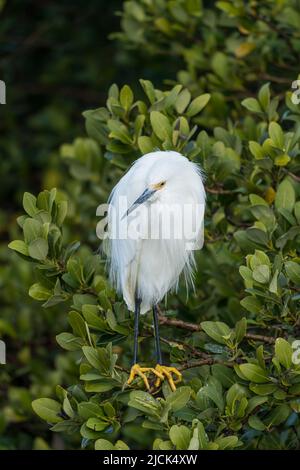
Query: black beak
point(140, 200)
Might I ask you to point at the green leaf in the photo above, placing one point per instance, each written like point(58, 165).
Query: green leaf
point(278, 415)
point(251, 303)
point(160, 125)
point(285, 196)
point(254, 373)
point(276, 134)
point(47, 409)
point(171, 96)
point(68, 341)
point(92, 356)
point(91, 315)
point(19, 246)
point(273, 287)
point(258, 259)
point(234, 397)
point(120, 445)
point(39, 292)
point(119, 131)
point(264, 96)
point(256, 423)
point(224, 374)
point(103, 444)
point(145, 144)
point(255, 402)
point(100, 386)
point(113, 91)
point(282, 160)
point(194, 442)
point(32, 230)
point(257, 200)
point(293, 271)
point(216, 330)
point(143, 401)
point(246, 273)
point(240, 329)
point(297, 211)
point(257, 236)
point(109, 409)
point(38, 249)
point(283, 352)
point(179, 398)
point(213, 390)
point(261, 274)
point(256, 150)
point(180, 436)
point(148, 89)
point(77, 323)
point(202, 436)
point(198, 104)
point(263, 389)
point(126, 97)
point(96, 424)
point(252, 105)
point(182, 101)
point(62, 210)
point(88, 409)
point(228, 442)
point(29, 204)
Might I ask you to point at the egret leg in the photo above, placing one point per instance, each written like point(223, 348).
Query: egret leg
point(156, 332)
point(136, 369)
point(161, 371)
point(137, 309)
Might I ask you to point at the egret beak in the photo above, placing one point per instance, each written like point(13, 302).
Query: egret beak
point(140, 200)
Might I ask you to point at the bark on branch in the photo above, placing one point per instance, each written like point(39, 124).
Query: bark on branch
point(163, 320)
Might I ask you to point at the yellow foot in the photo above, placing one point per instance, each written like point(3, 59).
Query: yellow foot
point(137, 370)
point(163, 372)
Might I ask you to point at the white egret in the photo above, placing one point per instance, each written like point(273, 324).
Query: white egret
point(146, 263)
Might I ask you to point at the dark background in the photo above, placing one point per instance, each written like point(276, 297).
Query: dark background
point(57, 60)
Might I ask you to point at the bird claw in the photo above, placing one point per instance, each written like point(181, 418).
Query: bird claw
point(137, 370)
point(163, 372)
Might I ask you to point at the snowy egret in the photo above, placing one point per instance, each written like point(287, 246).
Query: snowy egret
point(147, 262)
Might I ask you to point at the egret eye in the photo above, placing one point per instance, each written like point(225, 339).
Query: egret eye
point(159, 185)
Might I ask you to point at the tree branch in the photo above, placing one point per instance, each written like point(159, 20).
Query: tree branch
point(265, 339)
point(292, 175)
point(163, 320)
point(178, 323)
point(219, 191)
point(202, 362)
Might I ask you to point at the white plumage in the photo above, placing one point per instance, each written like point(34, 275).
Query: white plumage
point(148, 264)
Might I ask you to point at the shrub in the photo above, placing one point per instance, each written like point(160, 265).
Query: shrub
point(233, 339)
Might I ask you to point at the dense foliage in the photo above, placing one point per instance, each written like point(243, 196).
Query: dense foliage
point(230, 109)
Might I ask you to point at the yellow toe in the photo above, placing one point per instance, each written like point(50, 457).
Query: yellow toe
point(163, 372)
point(138, 371)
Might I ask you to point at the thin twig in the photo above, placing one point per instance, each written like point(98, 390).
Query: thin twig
point(163, 320)
point(122, 369)
point(178, 323)
point(276, 79)
point(265, 339)
point(203, 362)
point(292, 175)
point(219, 191)
point(171, 343)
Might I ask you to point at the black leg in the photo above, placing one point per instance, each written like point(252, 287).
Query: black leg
point(136, 329)
point(156, 330)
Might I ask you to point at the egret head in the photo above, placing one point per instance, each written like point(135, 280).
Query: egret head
point(167, 180)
